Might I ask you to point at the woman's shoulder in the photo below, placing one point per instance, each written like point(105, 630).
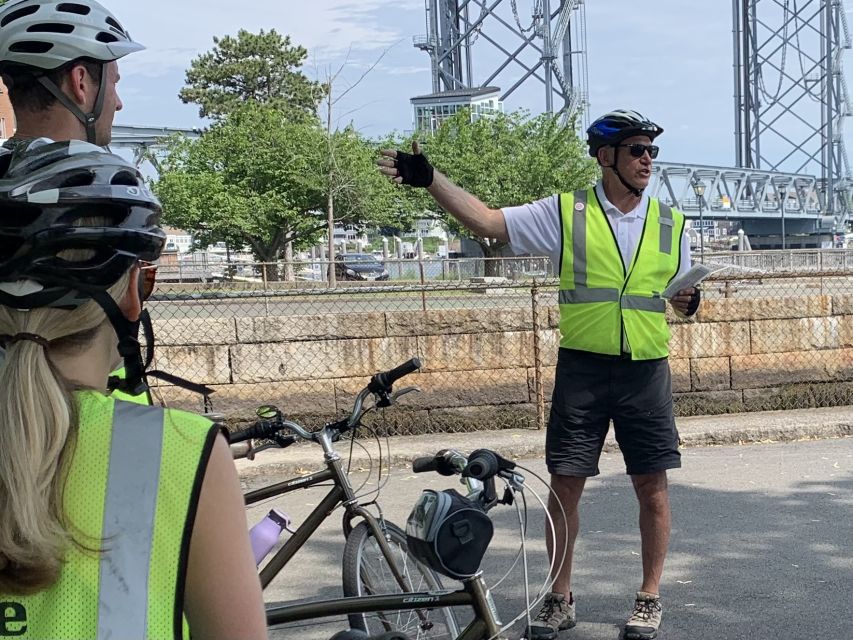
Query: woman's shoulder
point(93, 403)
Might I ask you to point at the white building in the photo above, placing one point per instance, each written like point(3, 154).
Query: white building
point(432, 109)
point(429, 228)
point(178, 240)
point(349, 235)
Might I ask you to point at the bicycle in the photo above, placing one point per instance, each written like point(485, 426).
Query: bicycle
point(363, 596)
point(373, 535)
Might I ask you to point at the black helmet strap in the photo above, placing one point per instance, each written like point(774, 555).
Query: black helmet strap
point(631, 188)
point(129, 349)
point(88, 119)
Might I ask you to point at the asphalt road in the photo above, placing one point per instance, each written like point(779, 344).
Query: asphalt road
point(761, 546)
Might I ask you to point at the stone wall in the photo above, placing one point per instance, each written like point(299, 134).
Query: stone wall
point(480, 367)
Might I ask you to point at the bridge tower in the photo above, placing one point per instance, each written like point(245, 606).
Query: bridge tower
point(548, 45)
point(791, 97)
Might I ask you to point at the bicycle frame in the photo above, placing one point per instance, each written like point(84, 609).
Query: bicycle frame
point(474, 594)
point(340, 493)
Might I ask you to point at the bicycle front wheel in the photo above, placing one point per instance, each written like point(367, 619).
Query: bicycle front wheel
point(366, 572)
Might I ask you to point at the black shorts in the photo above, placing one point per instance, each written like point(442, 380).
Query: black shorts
point(590, 390)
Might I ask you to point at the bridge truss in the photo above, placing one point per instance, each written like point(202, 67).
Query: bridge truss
point(739, 193)
point(791, 96)
point(547, 46)
point(141, 140)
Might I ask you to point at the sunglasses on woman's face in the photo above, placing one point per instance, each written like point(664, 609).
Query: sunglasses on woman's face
point(147, 279)
point(637, 149)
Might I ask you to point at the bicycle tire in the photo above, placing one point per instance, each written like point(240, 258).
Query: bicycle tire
point(363, 560)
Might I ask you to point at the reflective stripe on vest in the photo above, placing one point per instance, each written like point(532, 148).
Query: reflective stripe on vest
point(599, 301)
point(131, 492)
point(129, 508)
point(655, 305)
point(666, 223)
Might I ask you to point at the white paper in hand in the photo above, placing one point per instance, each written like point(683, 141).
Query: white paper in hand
point(697, 273)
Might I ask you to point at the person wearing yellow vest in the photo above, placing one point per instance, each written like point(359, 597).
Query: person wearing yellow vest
point(119, 520)
point(617, 250)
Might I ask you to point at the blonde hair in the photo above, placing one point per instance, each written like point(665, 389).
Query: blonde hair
point(38, 428)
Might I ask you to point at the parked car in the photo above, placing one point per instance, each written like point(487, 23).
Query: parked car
point(359, 266)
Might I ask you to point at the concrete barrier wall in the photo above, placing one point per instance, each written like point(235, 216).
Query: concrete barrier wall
point(480, 365)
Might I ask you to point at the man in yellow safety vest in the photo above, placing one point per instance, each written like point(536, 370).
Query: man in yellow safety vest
point(617, 250)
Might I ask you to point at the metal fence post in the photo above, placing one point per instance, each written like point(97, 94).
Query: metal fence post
point(537, 358)
point(266, 292)
point(423, 282)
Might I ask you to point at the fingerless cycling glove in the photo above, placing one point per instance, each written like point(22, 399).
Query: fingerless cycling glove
point(415, 169)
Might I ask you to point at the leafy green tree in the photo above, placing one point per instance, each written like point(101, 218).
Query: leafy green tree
point(262, 68)
point(261, 179)
point(505, 160)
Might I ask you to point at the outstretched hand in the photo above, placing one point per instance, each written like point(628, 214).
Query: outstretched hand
point(406, 168)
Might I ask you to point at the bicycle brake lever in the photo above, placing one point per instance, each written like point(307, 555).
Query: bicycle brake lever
point(404, 391)
point(263, 447)
point(513, 480)
point(384, 399)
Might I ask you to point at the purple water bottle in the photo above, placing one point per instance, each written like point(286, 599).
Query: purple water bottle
point(266, 533)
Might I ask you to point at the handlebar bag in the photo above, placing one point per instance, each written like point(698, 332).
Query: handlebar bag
point(449, 532)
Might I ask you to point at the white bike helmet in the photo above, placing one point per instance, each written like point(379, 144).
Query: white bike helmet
point(40, 36)
point(48, 34)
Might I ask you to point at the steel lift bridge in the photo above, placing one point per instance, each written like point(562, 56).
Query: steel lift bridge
point(141, 140)
point(791, 175)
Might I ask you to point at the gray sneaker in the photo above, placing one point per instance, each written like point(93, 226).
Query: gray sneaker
point(556, 614)
point(645, 619)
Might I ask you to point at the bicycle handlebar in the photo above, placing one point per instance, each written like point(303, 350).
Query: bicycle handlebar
point(446, 462)
point(380, 385)
point(382, 382)
point(258, 431)
point(482, 464)
point(478, 472)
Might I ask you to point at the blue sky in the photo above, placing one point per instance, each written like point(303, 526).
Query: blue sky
point(672, 61)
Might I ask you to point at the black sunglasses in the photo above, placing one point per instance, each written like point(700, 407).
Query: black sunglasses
point(637, 149)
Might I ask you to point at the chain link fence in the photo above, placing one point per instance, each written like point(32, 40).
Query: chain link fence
point(775, 333)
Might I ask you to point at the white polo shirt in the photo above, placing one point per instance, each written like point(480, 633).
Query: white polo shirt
point(535, 228)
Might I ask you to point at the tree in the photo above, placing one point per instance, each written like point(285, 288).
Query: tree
point(506, 160)
point(261, 179)
point(262, 68)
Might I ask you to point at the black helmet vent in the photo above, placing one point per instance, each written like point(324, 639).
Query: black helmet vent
point(81, 179)
point(103, 36)
point(50, 27)
point(115, 25)
point(73, 7)
point(31, 46)
point(125, 178)
point(20, 13)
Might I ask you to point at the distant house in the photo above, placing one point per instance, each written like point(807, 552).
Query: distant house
point(429, 228)
point(432, 109)
point(178, 240)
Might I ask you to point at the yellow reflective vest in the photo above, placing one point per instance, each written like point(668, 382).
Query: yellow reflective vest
point(132, 491)
point(604, 302)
